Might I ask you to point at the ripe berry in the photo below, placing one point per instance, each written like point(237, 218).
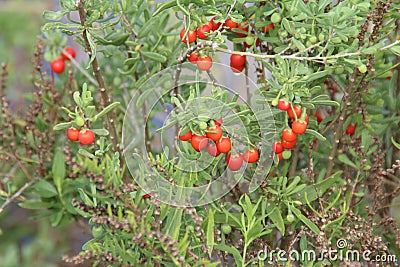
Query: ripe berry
point(193, 57)
point(318, 116)
point(146, 196)
point(280, 157)
point(185, 137)
point(224, 145)
point(213, 150)
point(199, 142)
point(288, 145)
point(267, 28)
point(237, 60)
point(218, 122)
point(214, 133)
point(237, 69)
point(283, 104)
point(299, 126)
point(230, 24)
point(58, 65)
point(288, 135)
point(68, 51)
point(351, 129)
point(86, 137)
point(73, 134)
point(277, 147)
point(296, 109)
point(190, 37)
point(214, 26)
point(234, 162)
point(204, 62)
point(202, 30)
point(251, 155)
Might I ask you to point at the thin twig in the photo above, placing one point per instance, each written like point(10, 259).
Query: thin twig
point(17, 194)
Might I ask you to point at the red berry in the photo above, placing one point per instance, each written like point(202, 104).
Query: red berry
point(267, 28)
point(251, 155)
point(58, 65)
point(199, 142)
point(204, 62)
point(214, 26)
point(283, 104)
point(245, 28)
point(237, 69)
point(193, 57)
point(202, 30)
point(299, 126)
point(73, 134)
point(86, 137)
point(237, 60)
point(234, 162)
point(277, 147)
point(214, 133)
point(185, 137)
point(288, 145)
point(288, 135)
point(224, 145)
point(218, 122)
point(351, 129)
point(68, 51)
point(190, 37)
point(230, 24)
point(146, 196)
point(296, 109)
point(280, 157)
point(318, 116)
point(213, 150)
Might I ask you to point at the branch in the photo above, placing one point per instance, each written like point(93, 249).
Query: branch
point(102, 87)
point(17, 194)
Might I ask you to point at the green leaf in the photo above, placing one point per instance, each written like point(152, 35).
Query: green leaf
point(53, 15)
point(45, 189)
point(62, 126)
point(58, 170)
point(276, 218)
point(100, 132)
point(210, 231)
point(106, 110)
point(154, 56)
point(232, 250)
point(343, 158)
point(316, 134)
point(92, 47)
point(305, 220)
point(85, 198)
point(397, 145)
point(395, 50)
point(35, 205)
point(164, 6)
point(85, 153)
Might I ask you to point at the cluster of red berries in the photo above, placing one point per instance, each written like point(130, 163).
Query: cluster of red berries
point(204, 62)
point(216, 143)
point(84, 136)
point(289, 135)
point(58, 65)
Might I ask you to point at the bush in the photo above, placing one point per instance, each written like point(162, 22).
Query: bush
point(172, 157)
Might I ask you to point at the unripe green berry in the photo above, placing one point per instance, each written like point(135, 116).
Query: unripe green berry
point(226, 229)
point(203, 125)
point(276, 18)
point(362, 68)
point(290, 217)
point(79, 121)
